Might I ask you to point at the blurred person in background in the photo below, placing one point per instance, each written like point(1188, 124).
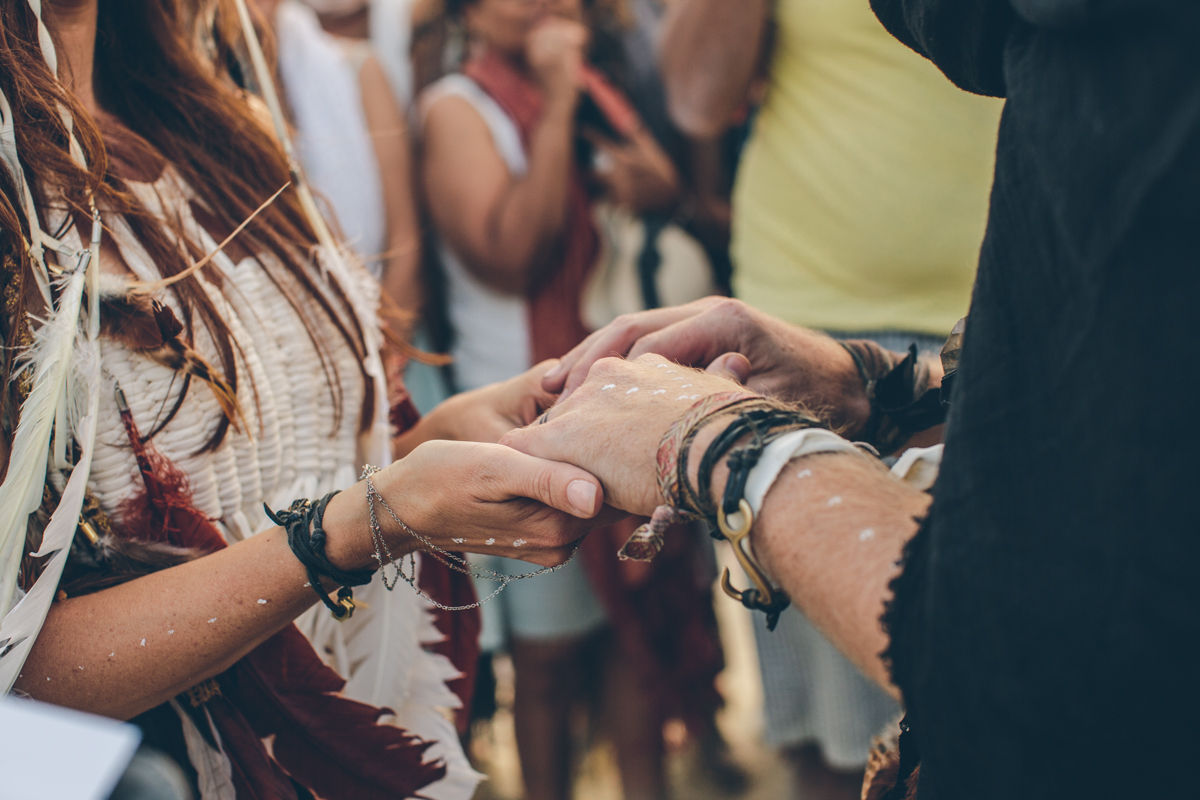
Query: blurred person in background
point(516, 149)
point(859, 209)
point(381, 32)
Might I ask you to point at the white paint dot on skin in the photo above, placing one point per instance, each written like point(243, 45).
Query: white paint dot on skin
point(682, 397)
point(865, 534)
point(262, 602)
point(686, 385)
point(490, 541)
point(47, 677)
point(143, 642)
point(835, 501)
point(170, 632)
point(112, 655)
point(669, 372)
point(659, 391)
point(308, 584)
point(81, 666)
point(659, 366)
point(631, 391)
point(518, 542)
point(458, 541)
point(211, 621)
point(607, 386)
point(804, 473)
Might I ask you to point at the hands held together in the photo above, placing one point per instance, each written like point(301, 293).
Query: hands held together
point(546, 482)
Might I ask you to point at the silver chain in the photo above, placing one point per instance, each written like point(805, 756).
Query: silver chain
point(383, 555)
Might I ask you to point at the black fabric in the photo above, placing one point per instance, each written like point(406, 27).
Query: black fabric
point(1044, 626)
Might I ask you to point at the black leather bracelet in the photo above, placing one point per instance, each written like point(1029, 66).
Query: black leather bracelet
point(766, 424)
point(303, 521)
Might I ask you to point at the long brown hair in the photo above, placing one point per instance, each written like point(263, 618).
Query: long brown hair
point(152, 75)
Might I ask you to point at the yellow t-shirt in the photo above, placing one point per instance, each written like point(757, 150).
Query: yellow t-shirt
point(861, 200)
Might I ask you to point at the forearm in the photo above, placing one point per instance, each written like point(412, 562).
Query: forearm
point(709, 53)
point(831, 533)
point(126, 649)
point(529, 219)
point(401, 280)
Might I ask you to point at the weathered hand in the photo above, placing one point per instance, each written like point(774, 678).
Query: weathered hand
point(481, 498)
point(770, 356)
point(613, 423)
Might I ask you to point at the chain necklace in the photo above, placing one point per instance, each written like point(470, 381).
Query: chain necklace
point(383, 555)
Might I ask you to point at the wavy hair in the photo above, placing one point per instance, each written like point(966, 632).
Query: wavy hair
point(168, 71)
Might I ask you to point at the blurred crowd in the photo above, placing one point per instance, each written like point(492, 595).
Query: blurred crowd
point(785, 206)
point(521, 172)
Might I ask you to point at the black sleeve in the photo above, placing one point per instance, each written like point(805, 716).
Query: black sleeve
point(964, 38)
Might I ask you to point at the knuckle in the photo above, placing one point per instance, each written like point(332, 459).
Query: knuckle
point(732, 307)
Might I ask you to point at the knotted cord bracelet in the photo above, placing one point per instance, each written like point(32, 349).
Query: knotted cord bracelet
point(648, 539)
point(303, 522)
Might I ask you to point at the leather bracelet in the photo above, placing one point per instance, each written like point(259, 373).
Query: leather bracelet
point(902, 404)
point(306, 537)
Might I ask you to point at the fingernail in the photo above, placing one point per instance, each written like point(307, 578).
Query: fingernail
point(553, 372)
point(582, 495)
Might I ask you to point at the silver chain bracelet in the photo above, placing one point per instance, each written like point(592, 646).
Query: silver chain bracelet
point(383, 555)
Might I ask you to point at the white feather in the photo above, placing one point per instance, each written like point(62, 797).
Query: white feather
point(49, 359)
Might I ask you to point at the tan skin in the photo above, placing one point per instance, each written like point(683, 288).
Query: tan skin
point(816, 551)
point(90, 653)
point(502, 226)
point(711, 51)
point(839, 581)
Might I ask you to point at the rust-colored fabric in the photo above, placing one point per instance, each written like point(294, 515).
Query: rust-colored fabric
point(663, 618)
point(281, 689)
point(662, 615)
point(553, 300)
point(459, 629)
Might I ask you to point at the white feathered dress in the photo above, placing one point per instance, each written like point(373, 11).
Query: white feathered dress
point(293, 445)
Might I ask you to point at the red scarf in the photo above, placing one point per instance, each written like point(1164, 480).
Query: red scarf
point(555, 324)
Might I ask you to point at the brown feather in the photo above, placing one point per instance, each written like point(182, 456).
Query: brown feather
point(151, 329)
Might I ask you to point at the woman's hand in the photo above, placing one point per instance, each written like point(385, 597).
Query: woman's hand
point(636, 174)
point(554, 51)
point(485, 414)
point(768, 355)
point(613, 423)
point(481, 498)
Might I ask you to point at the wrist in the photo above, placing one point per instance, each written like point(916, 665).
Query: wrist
point(561, 102)
point(349, 541)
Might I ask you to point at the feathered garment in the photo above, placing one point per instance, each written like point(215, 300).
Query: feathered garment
point(289, 441)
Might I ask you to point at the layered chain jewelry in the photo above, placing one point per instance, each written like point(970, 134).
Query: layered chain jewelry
point(383, 555)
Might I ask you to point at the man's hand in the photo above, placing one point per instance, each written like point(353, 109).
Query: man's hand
point(611, 426)
point(768, 355)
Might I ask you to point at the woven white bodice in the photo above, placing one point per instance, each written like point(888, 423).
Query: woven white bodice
point(291, 444)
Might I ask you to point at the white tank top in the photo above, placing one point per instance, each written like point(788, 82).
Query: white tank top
point(491, 328)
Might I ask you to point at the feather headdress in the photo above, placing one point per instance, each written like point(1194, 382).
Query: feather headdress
point(62, 405)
